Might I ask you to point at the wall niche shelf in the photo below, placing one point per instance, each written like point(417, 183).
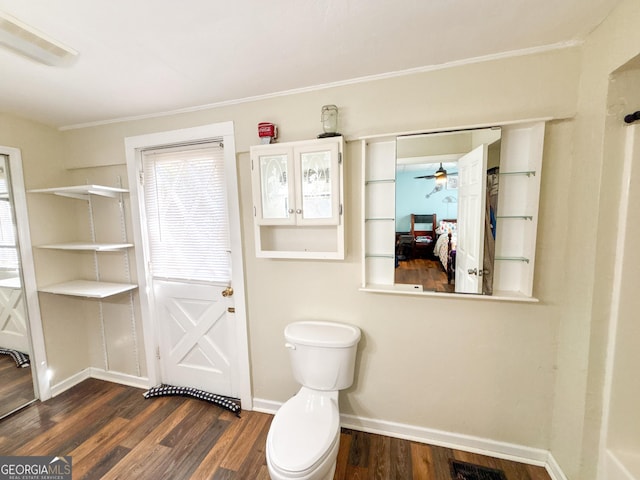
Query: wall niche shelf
point(520, 152)
point(528, 173)
point(513, 259)
point(82, 287)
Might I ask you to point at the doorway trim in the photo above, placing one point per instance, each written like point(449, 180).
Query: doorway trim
point(39, 363)
point(134, 146)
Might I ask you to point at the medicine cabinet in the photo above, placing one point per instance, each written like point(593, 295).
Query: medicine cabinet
point(298, 199)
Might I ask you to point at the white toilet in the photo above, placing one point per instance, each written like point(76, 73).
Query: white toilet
point(304, 436)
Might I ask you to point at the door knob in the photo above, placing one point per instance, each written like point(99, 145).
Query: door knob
point(472, 271)
point(227, 292)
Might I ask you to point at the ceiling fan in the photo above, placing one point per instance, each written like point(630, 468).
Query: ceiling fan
point(440, 174)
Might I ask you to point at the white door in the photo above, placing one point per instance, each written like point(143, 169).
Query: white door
point(13, 319)
point(186, 226)
point(196, 338)
point(188, 236)
point(472, 186)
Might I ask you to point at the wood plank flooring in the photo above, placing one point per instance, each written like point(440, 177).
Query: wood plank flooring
point(112, 432)
point(427, 272)
point(16, 385)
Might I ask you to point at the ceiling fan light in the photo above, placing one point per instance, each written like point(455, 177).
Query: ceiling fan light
point(28, 42)
point(440, 175)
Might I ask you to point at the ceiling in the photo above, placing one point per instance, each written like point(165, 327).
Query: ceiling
point(146, 57)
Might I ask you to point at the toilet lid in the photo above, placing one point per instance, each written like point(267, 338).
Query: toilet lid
point(303, 431)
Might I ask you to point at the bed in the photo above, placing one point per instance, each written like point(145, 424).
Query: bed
point(445, 246)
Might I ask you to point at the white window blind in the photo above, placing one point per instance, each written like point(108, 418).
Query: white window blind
point(8, 249)
point(187, 220)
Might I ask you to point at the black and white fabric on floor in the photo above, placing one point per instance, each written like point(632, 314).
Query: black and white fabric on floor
point(228, 403)
point(21, 359)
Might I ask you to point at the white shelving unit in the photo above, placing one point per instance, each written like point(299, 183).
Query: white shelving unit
point(88, 288)
point(88, 246)
point(83, 192)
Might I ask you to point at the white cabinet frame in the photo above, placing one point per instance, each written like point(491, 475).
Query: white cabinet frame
point(291, 233)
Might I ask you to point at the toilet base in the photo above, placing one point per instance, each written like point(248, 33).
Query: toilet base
point(329, 475)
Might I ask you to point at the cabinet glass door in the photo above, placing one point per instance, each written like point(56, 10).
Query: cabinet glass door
point(275, 188)
point(317, 193)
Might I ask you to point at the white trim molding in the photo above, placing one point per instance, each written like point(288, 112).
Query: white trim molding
point(99, 374)
point(457, 441)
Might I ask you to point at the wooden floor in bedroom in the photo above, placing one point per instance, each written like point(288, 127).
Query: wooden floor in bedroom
point(426, 272)
point(112, 432)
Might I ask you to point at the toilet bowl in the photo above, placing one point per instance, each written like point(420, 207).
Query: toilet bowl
point(304, 436)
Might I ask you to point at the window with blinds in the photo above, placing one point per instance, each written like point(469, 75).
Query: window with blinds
point(8, 238)
point(186, 207)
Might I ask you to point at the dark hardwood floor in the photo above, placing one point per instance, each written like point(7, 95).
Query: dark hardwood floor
point(16, 385)
point(112, 432)
point(427, 272)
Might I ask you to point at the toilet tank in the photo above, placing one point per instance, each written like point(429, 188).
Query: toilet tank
point(323, 354)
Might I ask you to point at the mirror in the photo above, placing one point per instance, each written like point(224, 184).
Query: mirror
point(446, 201)
point(16, 381)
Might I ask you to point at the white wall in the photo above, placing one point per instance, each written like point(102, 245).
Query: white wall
point(465, 366)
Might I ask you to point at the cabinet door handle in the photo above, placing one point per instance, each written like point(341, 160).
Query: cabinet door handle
point(299, 210)
point(291, 210)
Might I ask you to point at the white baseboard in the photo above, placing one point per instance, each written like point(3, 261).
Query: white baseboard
point(122, 378)
point(466, 443)
point(553, 469)
point(98, 373)
point(69, 382)
point(618, 467)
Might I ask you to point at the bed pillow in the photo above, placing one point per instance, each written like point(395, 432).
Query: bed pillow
point(447, 227)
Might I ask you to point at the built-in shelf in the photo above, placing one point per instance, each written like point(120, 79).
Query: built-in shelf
point(82, 192)
point(528, 173)
point(378, 255)
point(383, 219)
point(88, 246)
point(513, 259)
point(382, 180)
point(518, 217)
point(88, 288)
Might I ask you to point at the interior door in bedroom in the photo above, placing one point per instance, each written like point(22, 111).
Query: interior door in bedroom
point(472, 185)
point(190, 270)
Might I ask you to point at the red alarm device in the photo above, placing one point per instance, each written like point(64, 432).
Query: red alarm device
point(268, 132)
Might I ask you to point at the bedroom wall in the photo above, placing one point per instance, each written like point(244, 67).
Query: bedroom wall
point(411, 194)
point(466, 366)
point(593, 196)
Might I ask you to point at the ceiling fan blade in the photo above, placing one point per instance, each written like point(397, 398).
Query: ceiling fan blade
point(426, 176)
